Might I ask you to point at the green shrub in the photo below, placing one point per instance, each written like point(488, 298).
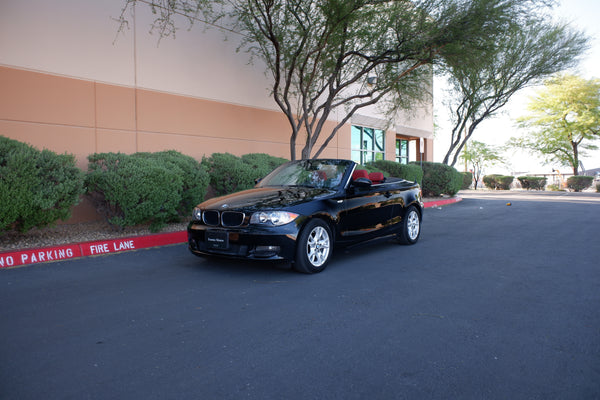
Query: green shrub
point(137, 189)
point(532, 182)
point(439, 179)
point(37, 188)
point(229, 173)
point(579, 182)
point(410, 172)
point(194, 177)
point(597, 187)
point(504, 182)
point(499, 182)
point(262, 164)
point(467, 180)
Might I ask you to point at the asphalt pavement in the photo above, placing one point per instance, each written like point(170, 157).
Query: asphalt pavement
point(496, 301)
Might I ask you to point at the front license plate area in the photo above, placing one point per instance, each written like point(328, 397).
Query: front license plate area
point(218, 240)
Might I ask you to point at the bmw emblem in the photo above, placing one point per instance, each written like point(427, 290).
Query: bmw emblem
point(225, 206)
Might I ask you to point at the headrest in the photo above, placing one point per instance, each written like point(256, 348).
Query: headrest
point(376, 177)
point(360, 173)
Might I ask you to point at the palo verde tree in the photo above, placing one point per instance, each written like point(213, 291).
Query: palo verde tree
point(319, 53)
point(479, 156)
point(529, 51)
point(563, 121)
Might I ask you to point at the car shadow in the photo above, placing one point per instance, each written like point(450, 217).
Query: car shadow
point(262, 268)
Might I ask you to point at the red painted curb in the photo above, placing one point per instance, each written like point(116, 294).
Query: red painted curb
point(85, 249)
point(67, 252)
point(438, 203)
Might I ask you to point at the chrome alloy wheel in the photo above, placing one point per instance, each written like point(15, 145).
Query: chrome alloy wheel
point(318, 246)
point(413, 224)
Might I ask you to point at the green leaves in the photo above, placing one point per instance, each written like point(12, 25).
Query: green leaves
point(154, 188)
point(321, 53)
point(37, 188)
point(229, 173)
point(440, 179)
point(485, 77)
point(563, 120)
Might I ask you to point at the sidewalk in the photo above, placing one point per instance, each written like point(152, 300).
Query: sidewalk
point(15, 258)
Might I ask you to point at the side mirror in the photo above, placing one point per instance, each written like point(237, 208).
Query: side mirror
point(363, 183)
point(257, 181)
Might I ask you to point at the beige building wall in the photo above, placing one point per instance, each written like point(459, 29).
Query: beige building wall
point(70, 82)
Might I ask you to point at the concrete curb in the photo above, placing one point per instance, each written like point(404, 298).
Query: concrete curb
point(86, 249)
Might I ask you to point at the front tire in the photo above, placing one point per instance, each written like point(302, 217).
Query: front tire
point(314, 249)
point(410, 229)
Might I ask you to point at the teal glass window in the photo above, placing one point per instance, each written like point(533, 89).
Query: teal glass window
point(368, 144)
point(402, 151)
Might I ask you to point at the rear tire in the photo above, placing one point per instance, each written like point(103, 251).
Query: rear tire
point(314, 249)
point(410, 229)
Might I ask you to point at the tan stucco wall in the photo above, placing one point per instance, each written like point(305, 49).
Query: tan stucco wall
point(70, 83)
point(83, 117)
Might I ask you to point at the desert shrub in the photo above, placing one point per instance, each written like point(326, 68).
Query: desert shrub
point(262, 164)
point(504, 181)
point(194, 177)
point(579, 182)
point(137, 189)
point(532, 182)
point(467, 180)
point(499, 182)
point(37, 188)
point(489, 181)
point(410, 172)
point(439, 179)
point(229, 173)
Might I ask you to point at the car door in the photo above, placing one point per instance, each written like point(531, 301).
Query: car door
point(365, 211)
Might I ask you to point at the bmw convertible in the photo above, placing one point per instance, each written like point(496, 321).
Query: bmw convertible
point(302, 209)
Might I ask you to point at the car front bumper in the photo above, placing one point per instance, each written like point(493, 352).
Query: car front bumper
point(251, 242)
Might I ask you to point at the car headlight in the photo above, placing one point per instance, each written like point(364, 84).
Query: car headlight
point(273, 218)
point(197, 214)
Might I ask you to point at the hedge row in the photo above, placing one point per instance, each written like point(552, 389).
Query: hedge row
point(440, 179)
point(579, 182)
point(533, 182)
point(410, 172)
point(229, 173)
point(500, 182)
point(37, 188)
point(154, 188)
point(435, 179)
point(467, 180)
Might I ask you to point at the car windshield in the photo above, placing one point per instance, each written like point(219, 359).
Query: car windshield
point(325, 174)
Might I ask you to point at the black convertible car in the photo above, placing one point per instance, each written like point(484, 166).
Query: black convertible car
point(301, 209)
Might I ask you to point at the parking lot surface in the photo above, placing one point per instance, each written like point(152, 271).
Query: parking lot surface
point(494, 302)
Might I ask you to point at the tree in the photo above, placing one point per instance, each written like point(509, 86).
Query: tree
point(339, 56)
point(531, 50)
point(564, 119)
point(479, 155)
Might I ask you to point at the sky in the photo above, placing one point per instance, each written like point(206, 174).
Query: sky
point(581, 14)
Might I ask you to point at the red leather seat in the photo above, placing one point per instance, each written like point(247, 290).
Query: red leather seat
point(376, 177)
point(360, 173)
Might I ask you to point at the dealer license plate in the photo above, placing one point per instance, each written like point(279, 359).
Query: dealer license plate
point(217, 240)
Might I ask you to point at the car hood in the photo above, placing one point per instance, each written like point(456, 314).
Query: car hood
point(268, 198)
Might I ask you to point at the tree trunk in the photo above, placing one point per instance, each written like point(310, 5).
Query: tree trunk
point(575, 158)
